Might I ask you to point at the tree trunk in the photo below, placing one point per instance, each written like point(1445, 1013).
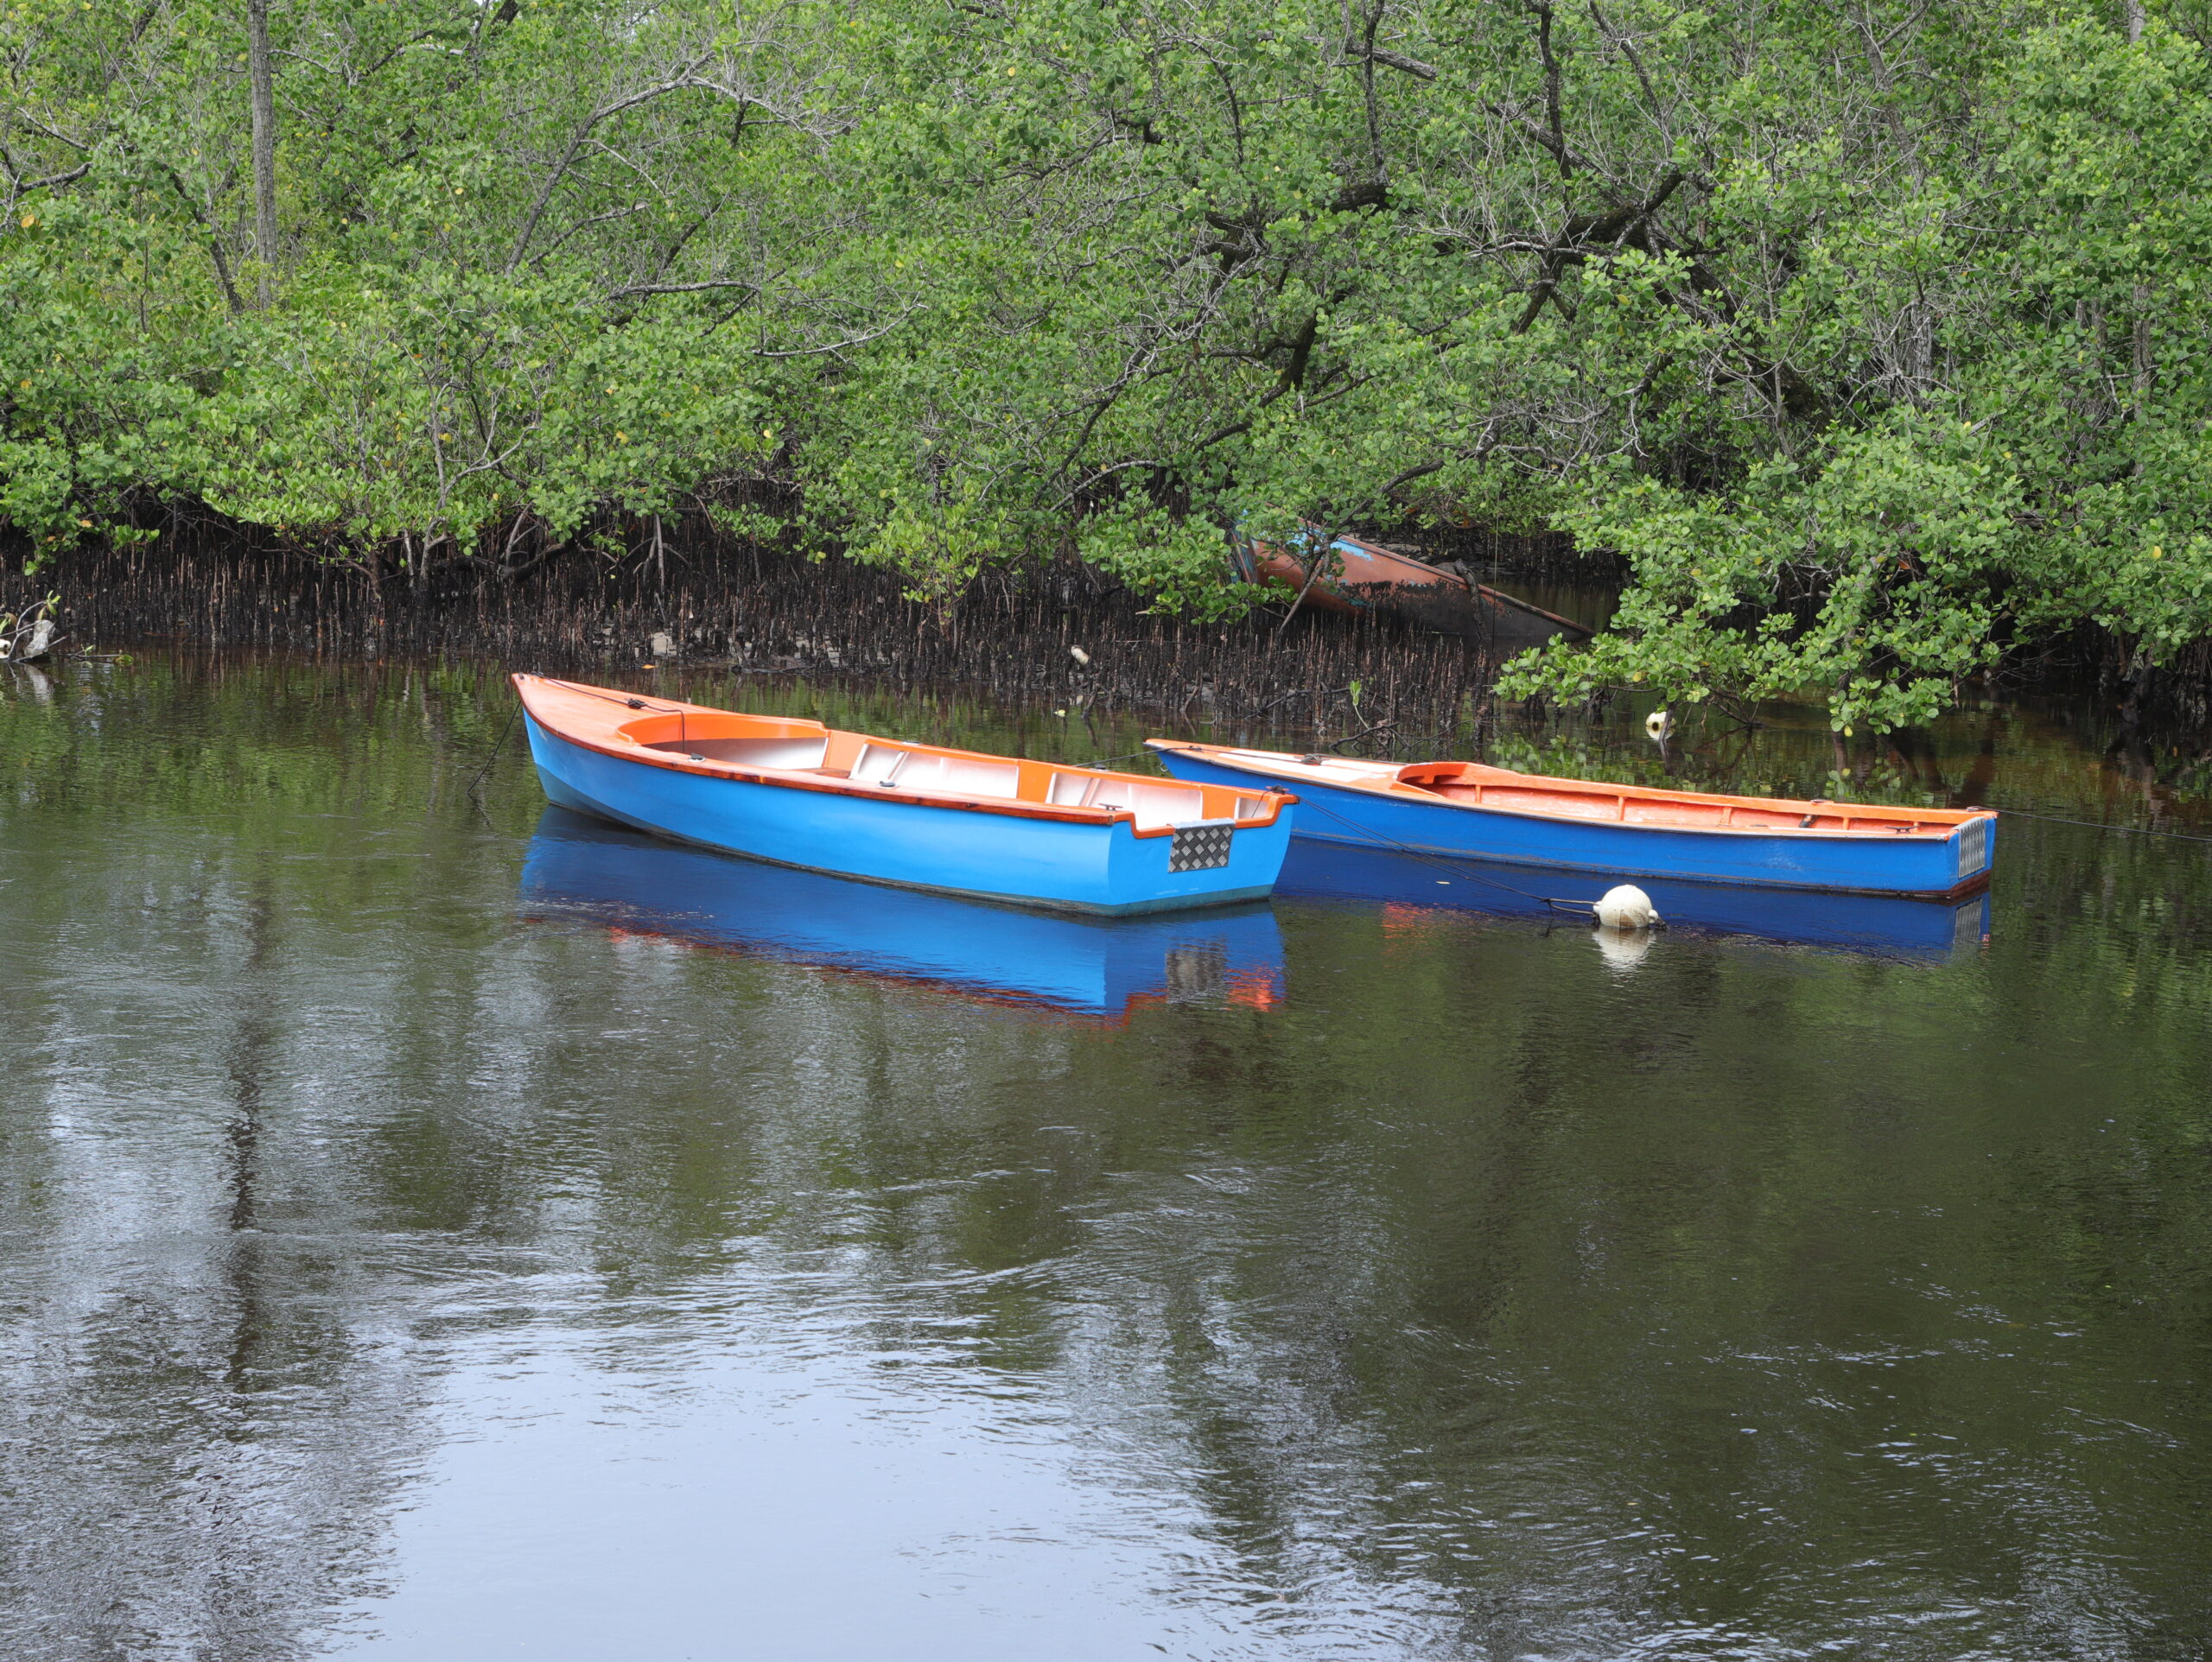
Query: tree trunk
point(2140, 344)
point(265, 139)
point(2145, 368)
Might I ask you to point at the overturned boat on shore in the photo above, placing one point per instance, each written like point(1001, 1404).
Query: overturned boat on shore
point(1358, 576)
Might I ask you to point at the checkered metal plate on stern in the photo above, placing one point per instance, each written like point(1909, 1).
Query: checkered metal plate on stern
point(1974, 847)
point(1200, 848)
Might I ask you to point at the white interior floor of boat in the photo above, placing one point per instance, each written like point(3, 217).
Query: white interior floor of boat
point(887, 766)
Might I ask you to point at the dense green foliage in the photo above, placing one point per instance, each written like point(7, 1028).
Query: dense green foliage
point(1868, 334)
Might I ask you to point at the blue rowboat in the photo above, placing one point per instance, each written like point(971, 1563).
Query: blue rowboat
point(1467, 810)
point(1886, 926)
point(1102, 967)
point(920, 816)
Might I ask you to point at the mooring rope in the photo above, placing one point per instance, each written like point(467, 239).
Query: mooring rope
point(628, 700)
point(2102, 824)
point(498, 744)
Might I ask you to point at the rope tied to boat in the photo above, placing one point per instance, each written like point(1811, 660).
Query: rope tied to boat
point(2103, 825)
point(498, 744)
point(628, 700)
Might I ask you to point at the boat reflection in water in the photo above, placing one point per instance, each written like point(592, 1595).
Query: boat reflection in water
point(1103, 966)
point(1890, 926)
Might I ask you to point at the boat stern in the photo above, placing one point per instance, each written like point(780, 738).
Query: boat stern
point(1195, 863)
point(1972, 850)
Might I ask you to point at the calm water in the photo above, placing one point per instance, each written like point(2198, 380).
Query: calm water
point(436, 1231)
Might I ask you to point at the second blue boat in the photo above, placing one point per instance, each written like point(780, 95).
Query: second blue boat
point(1467, 810)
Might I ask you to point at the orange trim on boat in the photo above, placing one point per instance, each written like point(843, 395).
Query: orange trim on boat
point(1473, 784)
point(800, 754)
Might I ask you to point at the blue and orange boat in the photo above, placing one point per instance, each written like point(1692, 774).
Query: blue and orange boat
point(1467, 810)
point(920, 816)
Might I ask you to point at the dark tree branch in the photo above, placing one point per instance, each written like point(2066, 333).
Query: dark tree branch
point(681, 288)
point(1551, 89)
point(1584, 234)
point(1398, 61)
point(1614, 37)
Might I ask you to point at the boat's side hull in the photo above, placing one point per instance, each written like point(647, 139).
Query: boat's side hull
point(1928, 867)
point(1067, 865)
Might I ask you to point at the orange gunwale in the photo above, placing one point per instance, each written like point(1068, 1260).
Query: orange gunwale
point(1466, 785)
point(630, 726)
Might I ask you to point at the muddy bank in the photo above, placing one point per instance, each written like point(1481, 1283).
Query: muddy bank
point(1065, 634)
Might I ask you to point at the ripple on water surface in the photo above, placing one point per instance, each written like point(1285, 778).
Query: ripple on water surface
point(425, 1239)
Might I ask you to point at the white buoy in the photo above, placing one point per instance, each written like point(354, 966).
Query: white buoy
point(1658, 725)
point(1626, 907)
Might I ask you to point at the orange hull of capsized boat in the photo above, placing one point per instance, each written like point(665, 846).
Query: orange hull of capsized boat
point(1374, 577)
